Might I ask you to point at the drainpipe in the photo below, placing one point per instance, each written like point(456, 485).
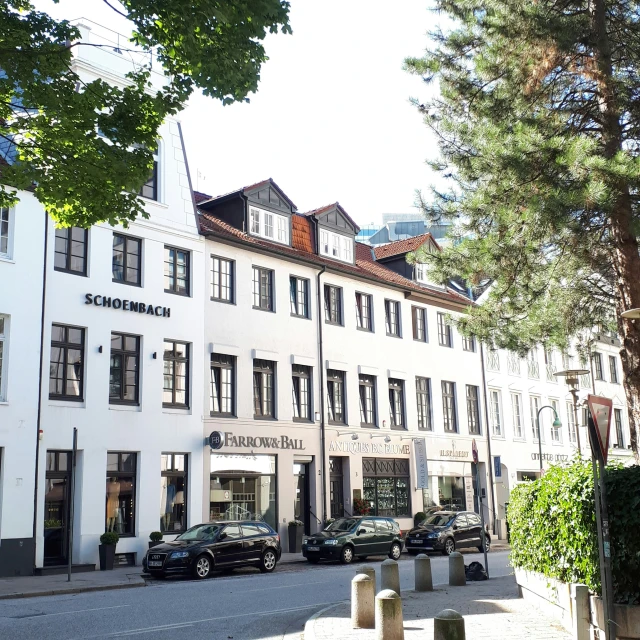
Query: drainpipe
point(37, 466)
point(321, 398)
point(490, 459)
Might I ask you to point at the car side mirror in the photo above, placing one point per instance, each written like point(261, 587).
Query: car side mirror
point(222, 536)
point(361, 531)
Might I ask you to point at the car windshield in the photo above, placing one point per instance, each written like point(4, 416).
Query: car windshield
point(342, 524)
point(201, 532)
point(439, 519)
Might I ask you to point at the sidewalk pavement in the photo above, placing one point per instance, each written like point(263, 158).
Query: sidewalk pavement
point(491, 609)
point(119, 578)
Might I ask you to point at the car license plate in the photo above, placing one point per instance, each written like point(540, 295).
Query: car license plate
point(155, 563)
point(313, 548)
point(416, 541)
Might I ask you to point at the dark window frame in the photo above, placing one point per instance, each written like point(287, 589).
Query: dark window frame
point(389, 316)
point(262, 368)
point(445, 334)
point(397, 404)
point(419, 322)
point(124, 353)
point(173, 288)
point(613, 370)
point(367, 382)
point(424, 404)
point(231, 276)
point(469, 343)
point(598, 369)
point(617, 418)
point(294, 303)
point(186, 360)
point(473, 410)
point(449, 410)
point(174, 472)
point(151, 183)
point(364, 301)
point(266, 301)
point(66, 346)
point(125, 261)
point(298, 373)
point(332, 310)
point(335, 376)
point(222, 362)
point(125, 474)
point(68, 254)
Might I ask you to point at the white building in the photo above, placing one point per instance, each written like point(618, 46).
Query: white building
point(122, 328)
point(299, 311)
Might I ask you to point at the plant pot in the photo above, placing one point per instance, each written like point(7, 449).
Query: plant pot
point(155, 543)
point(295, 538)
point(107, 556)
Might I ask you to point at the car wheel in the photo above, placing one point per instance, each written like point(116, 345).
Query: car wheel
point(395, 551)
point(313, 560)
point(449, 547)
point(346, 557)
point(488, 543)
point(202, 567)
point(269, 561)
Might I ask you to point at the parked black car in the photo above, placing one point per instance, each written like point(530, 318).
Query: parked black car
point(447, 531)
point(216, 545)
point(356, 537)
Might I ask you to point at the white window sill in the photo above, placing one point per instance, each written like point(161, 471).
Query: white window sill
point(114, 407)
point(7, 259)
point(495, 437)
point(67, 404)
point(519, 439)
point(3, 403)
point(178, 412)
point(155, 203)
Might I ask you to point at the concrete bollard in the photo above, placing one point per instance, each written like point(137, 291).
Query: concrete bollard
point(424, 582)
point(390, 578)
point(448, 625)
point(362, 602)
point(370, 571)
point(389, 616)
point(457, 577)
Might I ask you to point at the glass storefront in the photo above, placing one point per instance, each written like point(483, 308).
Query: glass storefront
point(450, 493)
point(121, 493)
point(243, 487)
point(385, 486)
point(173, 488)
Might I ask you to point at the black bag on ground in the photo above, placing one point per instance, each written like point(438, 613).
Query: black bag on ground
point(475, 572)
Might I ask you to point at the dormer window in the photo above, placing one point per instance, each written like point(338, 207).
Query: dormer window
point(337, 246)
point(268, 225)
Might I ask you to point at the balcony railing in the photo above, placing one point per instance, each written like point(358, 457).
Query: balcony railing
point(513, 364)
point(533, 369)
point(493, 361)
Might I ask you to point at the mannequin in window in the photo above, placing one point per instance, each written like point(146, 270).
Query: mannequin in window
point(113, 503)
point(169, 499)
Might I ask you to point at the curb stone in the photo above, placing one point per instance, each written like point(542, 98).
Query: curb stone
point(72, 590)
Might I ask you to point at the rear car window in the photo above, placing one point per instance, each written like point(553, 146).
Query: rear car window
point(252, 530)
point(384, 526)
point(368, 526)
point(233, 531)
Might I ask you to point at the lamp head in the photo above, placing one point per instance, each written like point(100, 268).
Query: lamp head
point(556, 423)
point(354, 436)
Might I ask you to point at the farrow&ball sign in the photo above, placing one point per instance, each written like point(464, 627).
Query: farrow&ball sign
point(217, 440)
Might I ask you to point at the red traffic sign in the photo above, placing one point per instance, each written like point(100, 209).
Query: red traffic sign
point(474, 450)
point(601, 410)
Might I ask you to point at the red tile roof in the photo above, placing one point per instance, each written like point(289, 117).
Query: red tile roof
point(365, 266)
point(403, 246)
point(302, 234)
point(329, 207)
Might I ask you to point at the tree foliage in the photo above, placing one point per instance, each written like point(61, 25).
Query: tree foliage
point(86, 148)
point(538, 126)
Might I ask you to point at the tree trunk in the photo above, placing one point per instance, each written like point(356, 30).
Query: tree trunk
point(625, 257)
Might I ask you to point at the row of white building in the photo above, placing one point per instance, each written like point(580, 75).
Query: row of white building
point(209, 351)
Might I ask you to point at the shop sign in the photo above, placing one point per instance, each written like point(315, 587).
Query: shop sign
point(217, 440)
point(127, 305)
point(422, 474)
point(468, 493)
point(349, 446)
point(550, 457)
point(453, 452)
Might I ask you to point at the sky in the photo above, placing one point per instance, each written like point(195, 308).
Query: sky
point(331, 120)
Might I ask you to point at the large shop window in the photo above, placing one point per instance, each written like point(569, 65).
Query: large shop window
point(173, 492)
point(243, 487)
point(121, 493)
point(451, 493)
point(386, 486)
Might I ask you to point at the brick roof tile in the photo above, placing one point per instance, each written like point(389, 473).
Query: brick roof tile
point(402, 246)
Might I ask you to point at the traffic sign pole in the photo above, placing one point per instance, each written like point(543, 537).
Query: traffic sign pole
point(474, 453)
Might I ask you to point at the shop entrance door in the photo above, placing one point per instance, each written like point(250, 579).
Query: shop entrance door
point(336, 488)
point(56, 507)
point(301, 506)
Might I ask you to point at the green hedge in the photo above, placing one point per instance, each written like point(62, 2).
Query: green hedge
point(552, 527)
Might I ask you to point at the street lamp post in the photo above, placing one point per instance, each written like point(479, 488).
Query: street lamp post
point(556, 424)
point(572, 379)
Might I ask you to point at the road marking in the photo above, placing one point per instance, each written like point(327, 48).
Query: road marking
point(286, 586)
point(64, 613)
point(188, 623)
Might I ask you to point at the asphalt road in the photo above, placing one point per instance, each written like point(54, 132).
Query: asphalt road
point(245, 605)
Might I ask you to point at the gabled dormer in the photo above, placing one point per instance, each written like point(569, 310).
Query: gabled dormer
point(261, 210)
point(335, 233)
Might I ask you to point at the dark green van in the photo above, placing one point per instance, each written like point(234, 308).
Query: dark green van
point(356, 537)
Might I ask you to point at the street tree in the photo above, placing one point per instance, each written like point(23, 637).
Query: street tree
point(536, 111)
point(86, 148)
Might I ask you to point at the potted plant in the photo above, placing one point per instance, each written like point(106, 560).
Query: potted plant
point(295, 536)
point(107, 549)
point(361, 507)
point(155, 538)
point(420, 517)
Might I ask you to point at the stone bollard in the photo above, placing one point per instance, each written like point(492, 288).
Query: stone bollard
point(362, 602)
point(389, 616)
point(424, 582)
point(390, 578)
point(457, 577)
point(448, 625)
point(370, 571)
